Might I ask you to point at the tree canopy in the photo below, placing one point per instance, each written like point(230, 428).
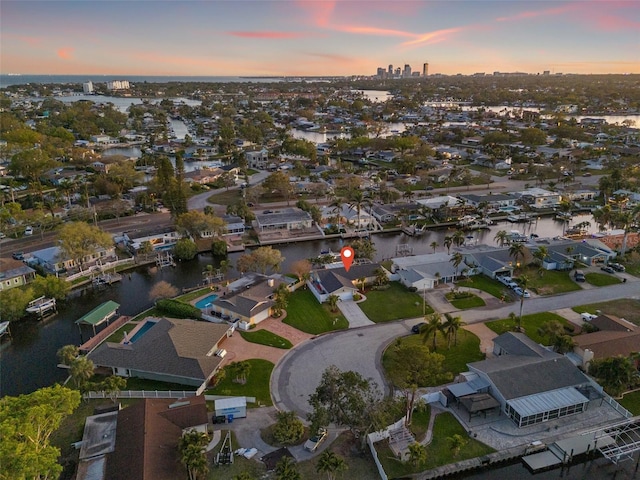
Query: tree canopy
point(79, 239)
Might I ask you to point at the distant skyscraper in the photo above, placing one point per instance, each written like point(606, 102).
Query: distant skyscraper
point(380, 72)
point(398, 72)
point(407, 71)
point(118, 85)
point(425, 69)
point(390, 71)
point(87, 88)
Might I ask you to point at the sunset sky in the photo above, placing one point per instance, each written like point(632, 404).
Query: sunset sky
point(305, 37)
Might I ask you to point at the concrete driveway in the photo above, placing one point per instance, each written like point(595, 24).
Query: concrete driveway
point(353, 314)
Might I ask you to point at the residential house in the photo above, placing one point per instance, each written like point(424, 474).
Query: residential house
point(249, 299)
point(391, 212)
point(14, 273)
point(525, 395)
point(283, 219)
point(203, 176)
point(347, 215)
point(614, 239)
point(257, 158)
point(336, 280)
point(563, 254)
point(53, 260)
point(181, 351)
point(539, 198)
point(494, 201)
point(385, 156)
point(159, 239)
point(488, 260)
point(614, 337)
point(140, 441)
point(425, 272)
point(100, 167)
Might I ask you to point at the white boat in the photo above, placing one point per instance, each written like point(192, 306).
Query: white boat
point(516, 236)
point(479, 224)
point(41, 305)
point(4, 328)
point(518, 218)
point(467, 220)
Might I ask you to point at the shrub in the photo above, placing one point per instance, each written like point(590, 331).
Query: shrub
point(289, 429)
point(174, 308)
point(356, 297)
point(219, 248)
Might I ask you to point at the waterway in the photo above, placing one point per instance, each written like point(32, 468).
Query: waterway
point(28, 361)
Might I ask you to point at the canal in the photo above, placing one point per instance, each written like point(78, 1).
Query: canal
point(28, 360)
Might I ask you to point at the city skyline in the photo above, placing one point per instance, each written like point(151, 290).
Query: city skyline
point(317, 38)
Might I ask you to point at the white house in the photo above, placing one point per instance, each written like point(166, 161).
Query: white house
point(540, 198)
point(425, 272)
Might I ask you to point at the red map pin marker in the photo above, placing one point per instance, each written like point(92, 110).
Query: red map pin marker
point(347, 254)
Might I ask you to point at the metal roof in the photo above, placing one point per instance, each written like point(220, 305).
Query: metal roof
point(547, 401)
point(99, 314)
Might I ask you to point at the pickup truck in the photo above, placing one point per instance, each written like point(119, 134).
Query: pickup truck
point(587, 317)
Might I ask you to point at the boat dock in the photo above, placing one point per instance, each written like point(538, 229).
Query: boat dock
point(106, 279)
point(41, 305)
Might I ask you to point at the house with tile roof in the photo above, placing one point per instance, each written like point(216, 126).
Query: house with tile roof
point(614, 337)
point(172, 350)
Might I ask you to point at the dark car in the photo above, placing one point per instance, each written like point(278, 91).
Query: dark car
point(607, 269)
point(18, 255)
point(267, 212)
point(617, 267)
point(417, 327)
point(314, 442)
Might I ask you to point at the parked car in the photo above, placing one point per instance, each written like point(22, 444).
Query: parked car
point(2, 235)
point(521, 293)
point(617, 267)
point(607, 268)
point(17, 255)
point(579, 276)
point(512, 285)
point(587, 317)
point(417, 327)
point(314, 442)
point(28, 231)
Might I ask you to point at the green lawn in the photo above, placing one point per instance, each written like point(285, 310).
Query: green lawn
point(306, 314)
point(257, 383)
point(465, 300)
point(456, 357)
point(631, 401)
point(601, 279)
point(394, 303)
point(551, 282)
point(187, 297)
point(438, 452)
point(265, 337)
point(118, 335)
point(420, 422)
point(486, 284)
point(530, 323)
point(225, 197)
point(628, 308)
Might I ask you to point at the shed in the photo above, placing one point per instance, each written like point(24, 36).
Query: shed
point(235, 406)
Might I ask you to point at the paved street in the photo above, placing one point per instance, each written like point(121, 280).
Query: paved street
point(298, 374)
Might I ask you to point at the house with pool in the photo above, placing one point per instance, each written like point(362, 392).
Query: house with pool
point(182, 351)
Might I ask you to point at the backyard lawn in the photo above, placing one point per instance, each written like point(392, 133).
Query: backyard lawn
point(118, 335)
point(464, 300)
point(530, 324)
point(439, 451)
point(627, 308)
point(394, 303)
point(306, 314)
point(456, 358)
point(551, 282)
point(631, 401)
point(265, 337)
point(257, 383)
point(601, 279)
point(486, 284)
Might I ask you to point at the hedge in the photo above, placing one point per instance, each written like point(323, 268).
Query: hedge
point(175, 308)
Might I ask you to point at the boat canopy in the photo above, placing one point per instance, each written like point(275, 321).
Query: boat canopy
point(100, 314)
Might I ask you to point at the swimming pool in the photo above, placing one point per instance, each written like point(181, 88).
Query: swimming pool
point(141, 331)
point(206, 301)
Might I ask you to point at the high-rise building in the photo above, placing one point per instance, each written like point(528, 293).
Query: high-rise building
point(406, 73)
point(380, 73)
point(425, 69)
point(398, 72)
point(118, 85)
point(87, 87)
point(390, 71)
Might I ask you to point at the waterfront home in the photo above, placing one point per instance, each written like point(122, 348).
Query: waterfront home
point(614, 337)
point(203, 176)
point(425, 272)
point(390, 212)
point(525, 396)
point(257, 158)
point(563, 253)
point(141, 440)
point(347, 215)
point(539, 198)
point(494, 201)
point(283, 219)
point(14, 273)
point(336, 280)
point(250, 299)
point(181, 351)
point(488, 260)
point(159, 238)
point(54, 261)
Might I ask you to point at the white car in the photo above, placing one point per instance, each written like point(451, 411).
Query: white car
point(314, 442)
point(587, 317)
point(28, 231)
point(522, 293)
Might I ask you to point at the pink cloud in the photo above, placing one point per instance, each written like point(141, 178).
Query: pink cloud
point(538, 13)
point(65, 53)
point(436, 36)
point(320, 11)
point(267, 34)
point(385, 32)
point(29, 40)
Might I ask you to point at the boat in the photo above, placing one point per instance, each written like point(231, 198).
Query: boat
point(466, 221)
point(479, 224)
point(564, 216)
point(518, 218)
point(41, 305)
point(516, 236)
point(4, 328)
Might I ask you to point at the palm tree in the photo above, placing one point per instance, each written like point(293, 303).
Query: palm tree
point(540, 255)
point(451, 327)
point(331, 464)
point(381, 276)
point(336, 209)
point(358, 200)
point(417, 454)
point(81, 370)
point(516, 251)
point(67, 354)
point(239, 370)
point(448, 241)
point(524, 280)
point(192, 455)
point(458, 238)
point(362, 281)
point(332, 300)
point(457, 441)
point(434, 245)
point(456, 259)
point(515, 319)
point(286, 470)
point(408, 194)
point(281, 298)
point(431, 328)
point(502, 237)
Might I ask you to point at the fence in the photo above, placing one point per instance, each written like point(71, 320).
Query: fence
point(619, 408)
point(141, 394)
point(374, 454)
point(99, 268)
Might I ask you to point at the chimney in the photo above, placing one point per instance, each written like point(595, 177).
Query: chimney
point(271, 282)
